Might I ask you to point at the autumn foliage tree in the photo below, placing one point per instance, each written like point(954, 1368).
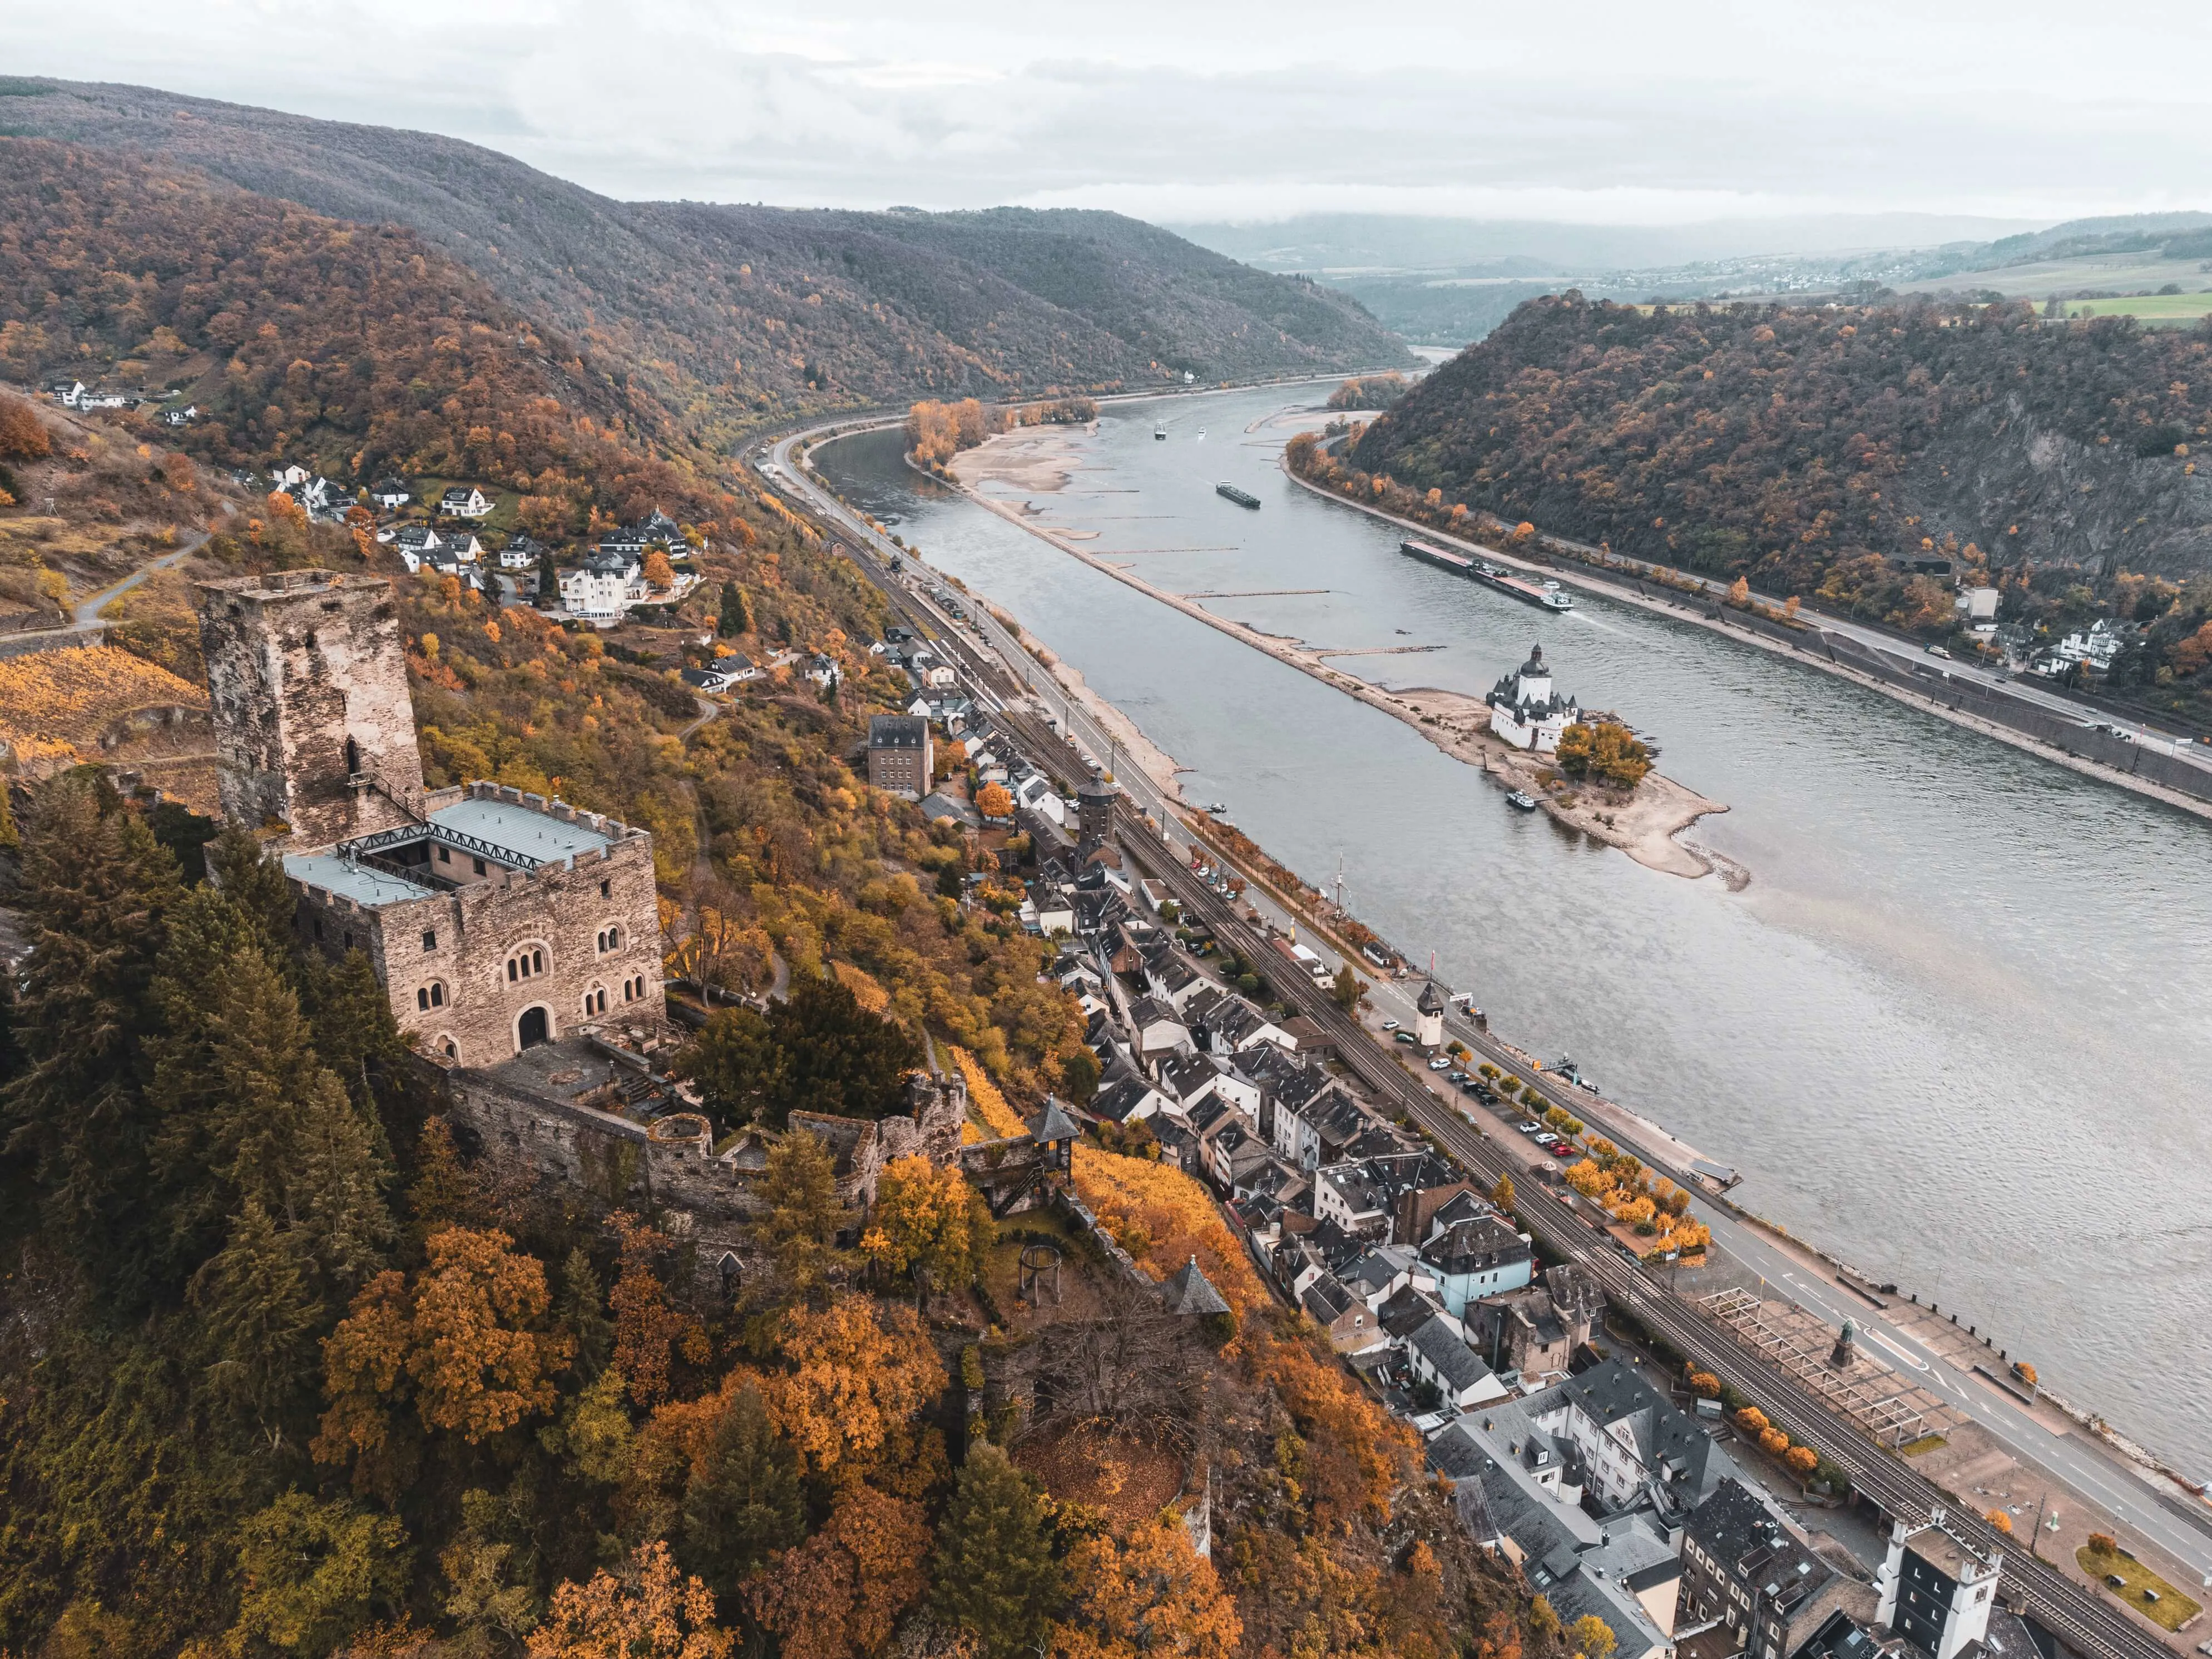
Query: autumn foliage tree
point(647, 1611)
point(927, 1221)
point(840, 1594)
point(647, 1331)
point(853, 1378)
point(1149, 1594)
point(460, 1343)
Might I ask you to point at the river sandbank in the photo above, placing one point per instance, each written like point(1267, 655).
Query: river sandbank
point(1645, 825)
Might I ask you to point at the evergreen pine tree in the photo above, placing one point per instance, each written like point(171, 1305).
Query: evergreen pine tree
point(98, 890)
point(258, 1316)
point(735, 617)
point(339, 1188)
point(994, 1571)
point(357, 1037)
point(743, 1499)
point(208, 934)
point(444, 1191)
point(549, 579)
point(256, 885)
point(583, 1313)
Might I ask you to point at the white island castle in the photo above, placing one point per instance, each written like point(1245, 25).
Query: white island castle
point(1526, 712)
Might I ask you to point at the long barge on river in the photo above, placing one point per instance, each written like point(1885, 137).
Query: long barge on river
point(1229, 492)
point(1548, 597)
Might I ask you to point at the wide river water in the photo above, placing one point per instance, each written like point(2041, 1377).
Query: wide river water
point(1958, 1027)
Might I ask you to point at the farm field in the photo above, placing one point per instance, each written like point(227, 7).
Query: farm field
point(2151, 308)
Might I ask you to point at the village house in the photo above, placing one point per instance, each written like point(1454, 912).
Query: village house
point(464, 502)
point(900, 757)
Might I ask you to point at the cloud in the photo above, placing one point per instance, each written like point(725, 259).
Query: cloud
point(1607, 110)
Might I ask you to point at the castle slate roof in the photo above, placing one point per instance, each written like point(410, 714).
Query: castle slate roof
point(1432, 1000)
point(1188, 1291)
point(1053, 1123)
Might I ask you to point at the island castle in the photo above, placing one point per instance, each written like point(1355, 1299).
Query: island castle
point(517, 936)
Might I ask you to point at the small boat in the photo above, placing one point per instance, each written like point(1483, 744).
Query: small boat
point(1160, 432)
point(1522, 801)
point(1241, 497)
point(1218, 808)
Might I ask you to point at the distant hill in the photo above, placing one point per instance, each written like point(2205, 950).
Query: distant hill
point(734, 315)
point(1817, 451)
point(1345, 242)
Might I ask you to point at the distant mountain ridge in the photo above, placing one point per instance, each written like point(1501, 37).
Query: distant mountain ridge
point(732, 316)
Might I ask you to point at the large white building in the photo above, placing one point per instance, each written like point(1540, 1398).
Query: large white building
point(1526, 711)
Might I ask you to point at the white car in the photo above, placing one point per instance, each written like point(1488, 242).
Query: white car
point(1440, 1064)
point(1389, 1024)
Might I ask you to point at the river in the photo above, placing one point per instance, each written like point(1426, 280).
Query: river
point(1955, 1027)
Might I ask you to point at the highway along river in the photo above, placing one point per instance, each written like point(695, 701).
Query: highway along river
point(1957, 1027)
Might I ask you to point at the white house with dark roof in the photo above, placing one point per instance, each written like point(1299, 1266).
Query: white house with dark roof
point(1437, 1354)
point(464, 502)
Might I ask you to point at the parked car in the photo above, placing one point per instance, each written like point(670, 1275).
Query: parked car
point(1440, 1064)
point(1483, 1091)
point(1406, 1037)
point(1526, 1128)
point(1458, 1076)
point(1389, 1024)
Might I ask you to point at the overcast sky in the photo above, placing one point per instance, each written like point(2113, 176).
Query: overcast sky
point(1595, 112)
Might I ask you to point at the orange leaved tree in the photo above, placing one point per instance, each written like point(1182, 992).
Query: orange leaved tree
point(462, 1342)
point(839, 1595)
point(650, 1612)
point(854, 1377)
point(1151, 1594)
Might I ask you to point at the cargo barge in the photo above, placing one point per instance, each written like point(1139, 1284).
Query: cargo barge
point(1549, 596)
point(1241, 497)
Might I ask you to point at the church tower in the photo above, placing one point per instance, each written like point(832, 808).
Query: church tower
point(314, 730)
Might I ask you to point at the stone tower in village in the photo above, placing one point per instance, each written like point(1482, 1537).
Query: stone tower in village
point(308, 675)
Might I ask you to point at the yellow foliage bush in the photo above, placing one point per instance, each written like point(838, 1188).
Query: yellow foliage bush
point(984, 1095)
point(1163, 1217)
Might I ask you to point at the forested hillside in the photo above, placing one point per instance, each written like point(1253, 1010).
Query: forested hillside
point(303, 339)
point(730, 315)
point(1814, 450)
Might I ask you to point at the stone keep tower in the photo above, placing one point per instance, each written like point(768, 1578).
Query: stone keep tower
point(308, 675)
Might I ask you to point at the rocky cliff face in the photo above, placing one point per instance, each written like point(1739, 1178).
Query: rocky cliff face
point(2102, 507)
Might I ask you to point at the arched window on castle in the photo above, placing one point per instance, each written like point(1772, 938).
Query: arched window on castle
point(610, 939)
point(430, 996)
point(526, 963)
point(595, 999)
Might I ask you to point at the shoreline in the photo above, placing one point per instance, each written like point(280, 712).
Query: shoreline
point(1658, 812)
point(1569, 574)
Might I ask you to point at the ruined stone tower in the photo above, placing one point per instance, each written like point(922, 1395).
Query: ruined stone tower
point(308, 675)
